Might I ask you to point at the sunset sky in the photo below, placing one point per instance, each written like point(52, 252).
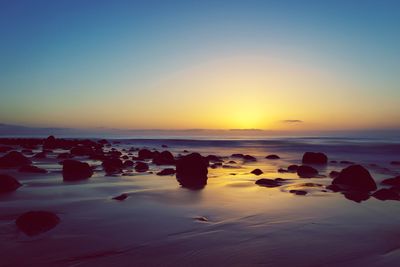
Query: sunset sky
point(275, 65)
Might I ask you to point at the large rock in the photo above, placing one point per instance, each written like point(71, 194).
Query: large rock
point(355, 178)
point(305, 171)
point(37, 222)
point(164, 158)
point(191, 171)
point(314, 158)
point(14, 159)
point(74, 170)
point(392, 181)
point(386, 194)
point(8, 183)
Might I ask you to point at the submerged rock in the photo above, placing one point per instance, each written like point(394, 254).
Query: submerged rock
point(121, 197)
point(74, 170)
point(298, 192)
point(14, 159)
point(37, 222)
point(8, 183)
point(386, 194)
point(355, 178)
point(314, 158)
point(191, 171)
point(269, 182)
point(168, 171)
point(31, 169)
point(257, 171)
point(272, 156)
point(305, 171)
point(141, 167)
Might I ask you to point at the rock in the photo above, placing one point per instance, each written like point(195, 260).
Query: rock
point(145, 154)
point(4, 149)
point(334, 174)
point(314, 158)
point(268, 182)
point(392, 181)
point(395, 163)
point(272, 156)
point(298, 192)
point(37, 222)
point(305, 171)
point(112, 165)
point(50, 143)
point(257, 171)
point(8, 183)
point(281, 170)
point(191, 171)
point(128, 163)
point(231, 162)
point(346, 162)
point(164, 158)
point(141, 167)
point(237, 155)
point(356, 196)
point(333, 161)
point(168, 171)
point(121, 197)
point(249, 158)
point(31, 169)
point(74, 170)
point(355, 178)
point(14, 159)
point(386, 194)
point(292, 168)
point(164, 146)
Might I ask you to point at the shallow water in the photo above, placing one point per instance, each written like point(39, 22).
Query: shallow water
point(231, 222)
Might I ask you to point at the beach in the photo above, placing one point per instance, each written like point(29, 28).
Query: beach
point(231, 221)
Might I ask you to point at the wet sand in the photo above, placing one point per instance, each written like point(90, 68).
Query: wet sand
point(230, 222)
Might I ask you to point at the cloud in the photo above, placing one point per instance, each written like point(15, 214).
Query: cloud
point(292, 121)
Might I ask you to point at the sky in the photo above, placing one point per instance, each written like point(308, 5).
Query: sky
point(273, 65)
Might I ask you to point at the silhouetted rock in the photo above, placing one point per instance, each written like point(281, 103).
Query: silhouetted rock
point(37, 222)
point(50, 143)
point(164, 158)
point(145, 154)
point(314, 158)
point(355, 178)
point(31, 169)
point(168, 171)
point(268, 182)
point(74, 170)
point(334, 174)
point(257, 171)
point(141, 167)
point(191, 171)
point(356, 196)
point(392, 181)
point(273, 156)
point(346, 162)
point(8, 183)
point(4, 149)
point(128, 163)
point(237, 155)
point(14, 159)
point(112, 165)
point(298, 192)
point(305, 171)
point(386, 194)
point(249, 158)
point(121, 197)
point(395, 163)
point(292, 168)
point(282, 170)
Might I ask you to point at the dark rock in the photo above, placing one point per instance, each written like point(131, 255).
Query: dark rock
point(8, 183)
point(164, 158)
point(14, 159)
point(141, 167)
point(231, 162)
point(4, 149)
point(168, 171)
point(191, 171)
point(292, 168)
point(103, 141)
point(356, 196)
point(298, 192)
point(346, 162)
point(237, 155)
point(121, 197)
point(37, 222)
point(257, 171)
point(314, 158)
point(355, 178)
point(145, 154)
point(128, 163)
point(268, 182)
point(74, 170)
point(31, 169)
point(249, 158)
point(392, 181)
point(112, 165)
point(305, 171)
point(395, 163)
point(164, 146)
point(281, 170)
point(333, 161)
point(273, 156)
point(125, 157)
point(334, 174)
point(386, 194)
point(50, 143)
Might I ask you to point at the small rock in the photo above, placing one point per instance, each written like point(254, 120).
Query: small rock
point(168, 171)
point(257, 171)
point(305, 171)
point(141, 166)
point(273, 156)
point(8, 183)
point(37, 222)
point(386, 194)
point(314, 158)
point(298, 192)
point(268, 182)
point(74, 170)
point(121, 197)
